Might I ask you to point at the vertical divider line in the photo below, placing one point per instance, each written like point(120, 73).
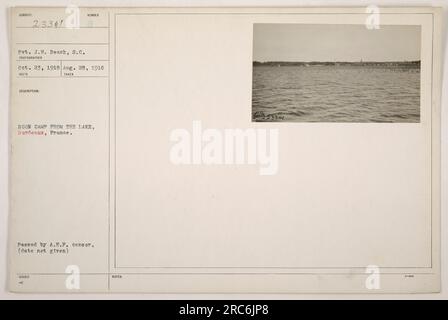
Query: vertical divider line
point(115, 140)
point(108, 154)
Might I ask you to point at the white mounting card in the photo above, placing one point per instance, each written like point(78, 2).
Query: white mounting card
point(231, 150)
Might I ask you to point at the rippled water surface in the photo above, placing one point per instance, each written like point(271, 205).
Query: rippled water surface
point(336, 94)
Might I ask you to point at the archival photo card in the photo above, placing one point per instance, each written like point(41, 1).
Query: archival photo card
point(336, 73)
point(225, 150)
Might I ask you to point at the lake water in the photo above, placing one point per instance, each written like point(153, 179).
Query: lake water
point(336, 94)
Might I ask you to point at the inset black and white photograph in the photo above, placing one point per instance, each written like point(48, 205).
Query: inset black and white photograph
point(335, 73)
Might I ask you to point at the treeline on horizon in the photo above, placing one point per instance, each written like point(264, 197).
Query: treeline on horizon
point(338, 63)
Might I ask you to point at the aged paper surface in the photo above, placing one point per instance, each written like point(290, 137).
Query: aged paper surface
point(225, 150)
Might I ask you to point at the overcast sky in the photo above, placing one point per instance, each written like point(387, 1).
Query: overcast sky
point(302, 42)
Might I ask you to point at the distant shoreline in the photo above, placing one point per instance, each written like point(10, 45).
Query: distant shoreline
point(412, 64)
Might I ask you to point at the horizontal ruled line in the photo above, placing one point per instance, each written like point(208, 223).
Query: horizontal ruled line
point(64, 43)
